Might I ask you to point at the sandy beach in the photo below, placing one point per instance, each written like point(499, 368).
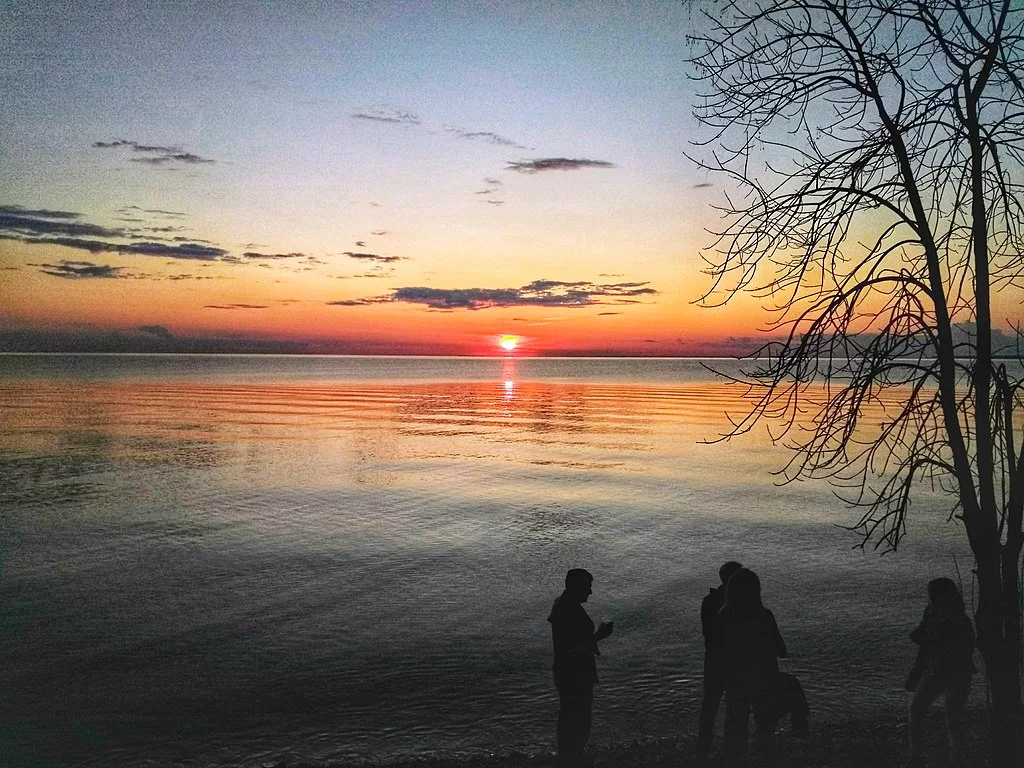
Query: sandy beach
point(879, 742)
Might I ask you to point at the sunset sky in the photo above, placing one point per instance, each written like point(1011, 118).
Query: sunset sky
point(354, 177)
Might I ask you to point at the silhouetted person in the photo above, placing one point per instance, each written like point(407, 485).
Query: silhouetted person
point(944, 665)
point(714, 661)
point(575, 668)
point(751, 646)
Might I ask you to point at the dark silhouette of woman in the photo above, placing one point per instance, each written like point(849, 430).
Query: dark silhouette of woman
point(944, 665)
point(751, 648)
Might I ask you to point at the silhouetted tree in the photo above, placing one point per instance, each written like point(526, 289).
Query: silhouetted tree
point(876, 155)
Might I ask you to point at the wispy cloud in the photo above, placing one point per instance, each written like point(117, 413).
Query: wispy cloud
point(492, 189)
point(486, 136)
point(81, 270)
point(274, 256)
point(154, 154)
point(173, 157)
point(236, 306)
point(388, 115)
point(31, 223)
point(539, 293)
point(158, 211)
point(18, 210)
point(555, 164)
point(190, 251)
point(41, 227)
point(373, 257)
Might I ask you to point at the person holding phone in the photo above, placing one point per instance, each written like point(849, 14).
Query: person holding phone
point(575, 668)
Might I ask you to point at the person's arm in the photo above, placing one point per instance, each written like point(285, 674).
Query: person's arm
point(707, 617)
point(780, 644)
point(920, 632)
point(605, 629)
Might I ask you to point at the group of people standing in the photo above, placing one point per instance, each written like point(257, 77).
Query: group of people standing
point(742, 646)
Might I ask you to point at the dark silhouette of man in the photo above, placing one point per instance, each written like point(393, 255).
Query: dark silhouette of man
point(714, 657)
point(575, 668)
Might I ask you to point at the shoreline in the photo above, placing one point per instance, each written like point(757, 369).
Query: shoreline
point(878, 741)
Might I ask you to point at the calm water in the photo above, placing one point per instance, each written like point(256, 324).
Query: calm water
point(237, 560)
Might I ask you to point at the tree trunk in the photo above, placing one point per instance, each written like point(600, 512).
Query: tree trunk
point(998, 626)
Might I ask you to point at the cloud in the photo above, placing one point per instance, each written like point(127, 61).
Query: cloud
point(186, 276)
point(172, 214)
point(539, 293)
point(158, 155)
point(21, 224)
point(360, 243)
point(190, 251)
point(195, 251)
point(373, 257)
point(18, 210)
point(79, 270)
point(236, 306)
point(256, 255)
point(379, 232)
point(157, 330)
point(703, 185)
point(492, 187)
point(555, 164)
point(388, 115)
point(487, 136)
point(605, 314)
point(173, 157)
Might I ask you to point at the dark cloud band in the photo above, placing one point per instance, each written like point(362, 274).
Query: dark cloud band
point(373, 257)
point(540, 293)
point(556, 164)
point(160, 155)
point(79, 270)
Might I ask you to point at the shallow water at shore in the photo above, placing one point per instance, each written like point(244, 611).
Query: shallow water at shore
point(220, 561)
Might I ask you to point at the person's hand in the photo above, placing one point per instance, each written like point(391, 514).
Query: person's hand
point(606, 628)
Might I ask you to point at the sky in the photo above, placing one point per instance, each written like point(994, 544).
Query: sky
point(355, 178)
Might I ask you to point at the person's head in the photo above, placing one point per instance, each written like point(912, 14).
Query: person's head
point(727, 570)
point(743, 592)
point(944, 596)
point(577, 584)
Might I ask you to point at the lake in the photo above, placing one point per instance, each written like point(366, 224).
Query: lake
point(214, 560)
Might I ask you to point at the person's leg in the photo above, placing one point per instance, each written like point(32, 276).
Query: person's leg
point(714, 687)
point(567, 706)
point(765, 709)
point(957, 691)
point(574, 714)
point(737, 718)
point(586, 716)
point(928, 690)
